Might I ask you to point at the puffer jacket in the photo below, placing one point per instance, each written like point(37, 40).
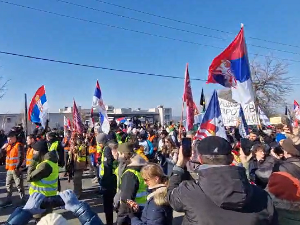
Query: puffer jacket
point(157, 210)
point(222, 195)
point(84, 213)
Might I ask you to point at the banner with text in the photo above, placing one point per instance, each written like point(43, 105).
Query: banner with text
point(230, 112)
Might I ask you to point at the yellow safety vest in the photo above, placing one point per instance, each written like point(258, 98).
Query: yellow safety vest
point(82, 154)
point(53, 146)
point(116, 172)
point(99, 149)
point(115, 165)
point(47, 186)
point(141, 195)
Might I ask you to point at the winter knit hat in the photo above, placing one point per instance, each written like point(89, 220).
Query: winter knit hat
point(289, 147)
point(40, 146)
point(101, 138)
point(280, 137)
point(126, 148)
point(53, 219)
point(284, 186)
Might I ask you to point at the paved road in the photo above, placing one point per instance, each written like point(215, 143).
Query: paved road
point(89, 196)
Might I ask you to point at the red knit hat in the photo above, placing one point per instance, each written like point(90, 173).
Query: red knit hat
point(284, 186)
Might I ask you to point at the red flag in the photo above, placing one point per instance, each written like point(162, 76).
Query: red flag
point(69, 124)
point(188, 99)
point(296, 123)
point(77, 123)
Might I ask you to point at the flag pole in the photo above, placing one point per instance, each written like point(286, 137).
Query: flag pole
point(25, 116)
point(254, 94)
point(180, 128)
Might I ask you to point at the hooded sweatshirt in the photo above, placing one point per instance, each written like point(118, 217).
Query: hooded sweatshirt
point(222, 195)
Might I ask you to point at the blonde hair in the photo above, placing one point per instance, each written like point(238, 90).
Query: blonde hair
point(152, 170)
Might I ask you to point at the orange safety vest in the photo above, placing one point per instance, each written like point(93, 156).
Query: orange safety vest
point(92, 149)
point(12, 156)
point(29, 156)
point(67, 144)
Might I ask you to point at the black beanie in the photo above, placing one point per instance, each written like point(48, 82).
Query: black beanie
point(40, 146)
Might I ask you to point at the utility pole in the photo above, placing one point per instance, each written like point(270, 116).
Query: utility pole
point(25, 117)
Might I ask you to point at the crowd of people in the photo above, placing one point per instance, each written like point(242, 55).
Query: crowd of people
point(144, 174)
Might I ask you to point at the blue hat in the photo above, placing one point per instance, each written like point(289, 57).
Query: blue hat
point(280, 137)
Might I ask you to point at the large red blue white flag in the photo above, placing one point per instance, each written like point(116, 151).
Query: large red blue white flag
point(98, 103)
point(231, 69)
point(38, 108)
point(297, 110)
point(212, 123)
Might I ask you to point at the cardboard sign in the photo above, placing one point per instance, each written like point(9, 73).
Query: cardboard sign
point(230, 112)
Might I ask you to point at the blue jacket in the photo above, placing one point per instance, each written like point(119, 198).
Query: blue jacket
point(84, 213)
point(157, 211)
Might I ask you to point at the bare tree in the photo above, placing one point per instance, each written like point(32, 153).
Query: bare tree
point(271, 84)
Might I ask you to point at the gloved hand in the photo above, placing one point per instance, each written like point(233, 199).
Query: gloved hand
point(70, 199)
point(34, 202)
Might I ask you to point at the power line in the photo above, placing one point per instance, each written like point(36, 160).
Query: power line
point(169, 27)
point(131, 30)
point(101, 67)
point(192, 24)
point(108, 25)
point(126, 29)
point(96, 67)
point(139, 20)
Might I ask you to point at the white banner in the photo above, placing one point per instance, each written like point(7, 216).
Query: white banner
point(230, 112)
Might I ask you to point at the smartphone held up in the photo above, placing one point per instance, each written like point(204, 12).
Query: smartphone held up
point(186, 144)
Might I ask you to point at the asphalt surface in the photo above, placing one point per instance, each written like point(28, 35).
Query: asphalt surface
point(89, 195)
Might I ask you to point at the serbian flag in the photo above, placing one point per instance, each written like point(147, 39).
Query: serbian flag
point(38, 108)
point(231, 69)
point(212, 123)
point(98, 103)
point(67, 123)
point(297, 110)
point(188, 99)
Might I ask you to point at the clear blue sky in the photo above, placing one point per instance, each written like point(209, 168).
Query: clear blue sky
point(34, 33)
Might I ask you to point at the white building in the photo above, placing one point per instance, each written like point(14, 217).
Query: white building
point(56, 120)
point(159, 114)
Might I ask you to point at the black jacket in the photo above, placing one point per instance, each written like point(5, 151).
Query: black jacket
point(221, 196)
point(290, 165)
point(129, 187)
point(264, 172)
point(109, 179)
